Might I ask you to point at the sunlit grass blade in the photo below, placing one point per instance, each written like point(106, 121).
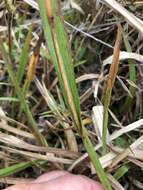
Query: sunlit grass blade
point(109, 86)
point(57, 41)
point(21, 97)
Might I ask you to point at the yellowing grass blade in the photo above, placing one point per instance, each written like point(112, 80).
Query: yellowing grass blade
point(32, 64)
point(109, 85)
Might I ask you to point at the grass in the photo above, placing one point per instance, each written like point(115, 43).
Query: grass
point(50, 70)
point(109, 86)
point(60, 55)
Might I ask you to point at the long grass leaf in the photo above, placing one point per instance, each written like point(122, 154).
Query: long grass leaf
point(24, 57)
point(132, 75)
point(56, 38)
point(57, 41)
point(96, 163)
point(9, 99)
point(4, 172)
point(109, 86)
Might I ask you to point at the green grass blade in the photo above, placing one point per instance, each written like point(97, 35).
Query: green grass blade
point(4, 172)
point(121, 172)
point(9, 99)
point(132, 75)
point(95, 161)
point(24, 56)
point(57, 41)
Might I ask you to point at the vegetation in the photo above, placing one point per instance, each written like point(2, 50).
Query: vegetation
point(71, 88)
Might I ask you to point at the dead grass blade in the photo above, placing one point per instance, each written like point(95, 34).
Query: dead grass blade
point(32, 64)
point(109, 86)
point(131, 18)
point(16, 131)
point(38, 156)
point(16, 142)
point(14, 181)
point(123, 56)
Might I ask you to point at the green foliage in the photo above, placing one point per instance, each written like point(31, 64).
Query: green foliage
point(121, 171)
point(14, 169)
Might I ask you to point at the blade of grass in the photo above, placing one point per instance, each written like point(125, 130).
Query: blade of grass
point(58, 47)
point(57, 42)
point(24, 56)
point(109, 86)
point(31, 68)
point(10, 8)
point(22, 64)
point(95, 161)
point(130, 17)
point(32, 65)
point(10, 170)
point(4, 172)
point(121, 172)
point(9, 99)
point(21, 96)
point(132, 75)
